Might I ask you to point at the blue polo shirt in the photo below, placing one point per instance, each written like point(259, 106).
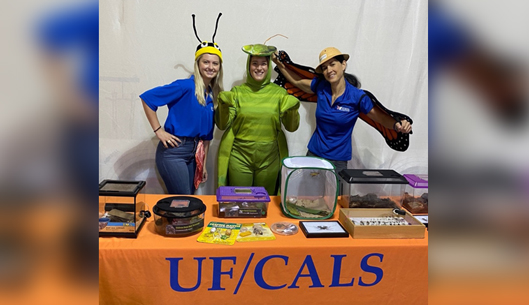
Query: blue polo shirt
point(334, 124)
point(186, 117)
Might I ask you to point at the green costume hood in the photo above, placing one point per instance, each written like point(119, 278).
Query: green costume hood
point(251, 82)
point(259, 50)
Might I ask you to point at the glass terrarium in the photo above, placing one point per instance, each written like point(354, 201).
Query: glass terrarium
point(309, 188)
point(415, 197)
point(242, 201)
point(372, 188)
point(122, 208)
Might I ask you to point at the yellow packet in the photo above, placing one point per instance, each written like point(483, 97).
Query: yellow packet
point(255, 232)
point(220, 233)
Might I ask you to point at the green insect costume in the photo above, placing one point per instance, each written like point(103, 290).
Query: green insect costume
point(253, 144)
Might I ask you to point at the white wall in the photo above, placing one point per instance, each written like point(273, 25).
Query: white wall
point(144, 44)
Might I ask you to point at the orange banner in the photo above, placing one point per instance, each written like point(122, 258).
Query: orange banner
point(153, 269)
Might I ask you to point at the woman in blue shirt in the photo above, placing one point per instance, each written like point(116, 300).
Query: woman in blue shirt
point(191, 104)
point(338, 107)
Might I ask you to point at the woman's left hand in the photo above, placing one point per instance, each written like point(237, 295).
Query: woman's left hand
point(403, 126)
point(204, 174)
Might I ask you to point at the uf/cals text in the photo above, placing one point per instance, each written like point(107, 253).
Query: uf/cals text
point(307, 269)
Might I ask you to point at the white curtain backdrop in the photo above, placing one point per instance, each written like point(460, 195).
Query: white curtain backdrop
point(144, 44)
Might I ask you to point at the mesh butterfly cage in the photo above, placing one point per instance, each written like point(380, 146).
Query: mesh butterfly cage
point(309, 188)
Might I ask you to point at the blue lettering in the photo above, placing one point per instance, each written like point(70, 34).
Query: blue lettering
point(173, 271)
point(313, 274)
point(217, 271)
point(336, 272)
point(258, 272)
point(372, 269)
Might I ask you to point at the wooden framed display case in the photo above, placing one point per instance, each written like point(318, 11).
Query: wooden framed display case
point(362, 223)
point(323, 229)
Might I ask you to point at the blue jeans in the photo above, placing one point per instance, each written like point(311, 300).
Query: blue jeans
point(177, 166)
point(339, 165)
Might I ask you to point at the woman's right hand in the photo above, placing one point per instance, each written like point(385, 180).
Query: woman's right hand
point(168, 139)
point(276, 61)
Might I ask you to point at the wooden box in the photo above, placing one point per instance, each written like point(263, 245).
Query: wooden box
point(415, 230)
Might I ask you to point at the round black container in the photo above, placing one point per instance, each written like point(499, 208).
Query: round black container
point(179, 216)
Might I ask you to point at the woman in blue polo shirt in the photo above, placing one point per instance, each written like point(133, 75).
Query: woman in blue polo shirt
point(338, 107)
point(191, 104)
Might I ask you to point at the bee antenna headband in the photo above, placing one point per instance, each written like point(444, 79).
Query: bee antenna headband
point(195, 29)
point(207, 46)
point(216, 26)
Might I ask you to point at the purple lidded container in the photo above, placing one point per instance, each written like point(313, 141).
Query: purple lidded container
point(415, 198)
point(242, 201)
point(417, 181)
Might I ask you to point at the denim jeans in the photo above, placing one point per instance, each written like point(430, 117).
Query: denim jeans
point(177, 166)
point(339, 165)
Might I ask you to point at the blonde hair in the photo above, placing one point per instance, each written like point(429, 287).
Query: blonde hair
point(216, 84)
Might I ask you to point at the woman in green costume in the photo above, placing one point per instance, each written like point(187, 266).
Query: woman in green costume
point(253, 144)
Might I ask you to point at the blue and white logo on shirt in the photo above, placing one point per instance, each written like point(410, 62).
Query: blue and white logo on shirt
point(344, 109)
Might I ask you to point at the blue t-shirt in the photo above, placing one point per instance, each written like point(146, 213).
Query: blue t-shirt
point(75, 31)
point(186, 117)
point(334, 124)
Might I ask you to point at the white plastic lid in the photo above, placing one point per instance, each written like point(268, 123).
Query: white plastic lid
point(307, 162)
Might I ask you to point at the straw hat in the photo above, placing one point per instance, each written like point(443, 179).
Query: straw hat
point(327, 54)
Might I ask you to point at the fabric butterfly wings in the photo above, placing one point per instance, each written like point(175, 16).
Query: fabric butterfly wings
point(302, 71)
point(396, 140)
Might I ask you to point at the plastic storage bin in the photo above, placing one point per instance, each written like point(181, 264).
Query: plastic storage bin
point(122, 208)
point(179, 216)
point(415, 198)
point(372, 188)
point(242, 201)
point(309, 188)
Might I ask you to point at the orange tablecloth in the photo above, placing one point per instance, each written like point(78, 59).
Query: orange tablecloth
point(153, 269)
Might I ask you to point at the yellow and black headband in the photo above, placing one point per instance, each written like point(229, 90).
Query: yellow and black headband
point(206, 46)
